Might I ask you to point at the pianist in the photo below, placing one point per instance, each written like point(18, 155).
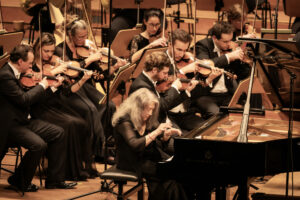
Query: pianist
point(140, 143)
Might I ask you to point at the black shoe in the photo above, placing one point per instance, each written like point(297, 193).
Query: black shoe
point(17, 187)
point(60, 185)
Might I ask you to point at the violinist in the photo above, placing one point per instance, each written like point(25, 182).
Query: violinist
point(83, 50)
point(222, 88)
point(54, 110)
point(234, 17)
point(85, 97)
point(185, 117)
point(151, 35)
point(156, 69)
point(35, 135)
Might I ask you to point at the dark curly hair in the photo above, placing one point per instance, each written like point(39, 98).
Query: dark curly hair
point(157, 59)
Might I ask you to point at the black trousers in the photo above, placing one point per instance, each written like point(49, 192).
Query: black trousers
point(210, 105)
point(39, 137)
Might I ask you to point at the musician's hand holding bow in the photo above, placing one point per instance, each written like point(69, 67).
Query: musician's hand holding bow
point(120, 63)
point(237, 54)
point(161, 42)
point(59, 69)
point(59, 81)
point(96, 56)
point(215, 72)
point(192, 84)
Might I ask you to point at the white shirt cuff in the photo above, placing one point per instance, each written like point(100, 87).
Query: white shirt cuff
point(188, 93)
point(42, 84)
point(53, 89)
point(228, 61)
point(174, 86)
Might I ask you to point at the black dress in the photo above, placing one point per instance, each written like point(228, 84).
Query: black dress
point(133, 155)
point(86, 103)
point(54, 110)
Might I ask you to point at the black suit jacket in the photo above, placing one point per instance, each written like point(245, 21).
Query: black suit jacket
point(14, 101)
point(170, 99)
point(205, 50)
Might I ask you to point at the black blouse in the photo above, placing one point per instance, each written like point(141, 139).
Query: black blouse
point(132, 152)
point(138, 42)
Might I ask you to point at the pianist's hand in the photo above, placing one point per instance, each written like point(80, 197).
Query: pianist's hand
point(169, 132)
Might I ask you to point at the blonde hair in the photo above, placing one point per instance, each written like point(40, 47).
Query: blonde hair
point(134, 105)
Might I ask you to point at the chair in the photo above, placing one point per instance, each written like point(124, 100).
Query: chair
point(14, 151)
point(120, 178)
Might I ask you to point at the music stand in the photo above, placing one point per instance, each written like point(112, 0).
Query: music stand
point(122, 40)
point(291, 8)
point(9, 40)
point(3, 59)
point(122, 76)
point(141, 63)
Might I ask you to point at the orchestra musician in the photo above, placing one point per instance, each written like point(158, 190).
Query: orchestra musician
point(52, 109)
point(151, 35)
point(85, 97)
point(216, 48)
point(36, 135)
point(182, 115)
point(234, 17)
point(138, 140)
point(156, 69)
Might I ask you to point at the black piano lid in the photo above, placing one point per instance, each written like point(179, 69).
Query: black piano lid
point(276, 79)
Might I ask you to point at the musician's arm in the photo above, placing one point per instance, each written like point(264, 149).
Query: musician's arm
point(203, 52)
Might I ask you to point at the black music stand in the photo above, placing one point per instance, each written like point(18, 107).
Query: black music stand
point(118, 84)
point(141, 63)
point(288, 47)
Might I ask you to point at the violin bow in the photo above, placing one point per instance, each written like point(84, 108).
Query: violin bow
point(255, 15)
point(242, 19)
point(40, 42)
point(65, 31)
point(88, 21)
point(164, 19)
point(195, 19)
point(172, 58)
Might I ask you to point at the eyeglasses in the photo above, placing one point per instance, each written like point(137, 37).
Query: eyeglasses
point(154, 25)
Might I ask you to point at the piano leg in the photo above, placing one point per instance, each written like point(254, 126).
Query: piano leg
point(243, 189)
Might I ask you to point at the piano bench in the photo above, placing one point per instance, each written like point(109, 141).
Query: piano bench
point(120, 178)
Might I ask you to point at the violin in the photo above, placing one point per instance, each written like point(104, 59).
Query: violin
point(73, 67)
point(31, 79)
point(204, 66)
point(166, 84)
point(85, 51)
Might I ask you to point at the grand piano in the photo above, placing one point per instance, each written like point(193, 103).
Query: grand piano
point(210, 156)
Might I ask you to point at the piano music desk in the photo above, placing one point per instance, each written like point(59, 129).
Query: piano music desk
point(275, 188)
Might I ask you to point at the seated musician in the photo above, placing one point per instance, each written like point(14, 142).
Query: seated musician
point(151, 35)
point(156, 69)
point(223, 87)
point(36, 135)
point(54, 110)
point(87, 97)
point(234, 17)
point(182, 115)
point(138, 136)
